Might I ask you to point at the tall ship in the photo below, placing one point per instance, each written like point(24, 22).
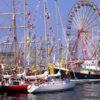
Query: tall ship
point(16, 33)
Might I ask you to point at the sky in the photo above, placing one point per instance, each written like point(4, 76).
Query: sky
point(34, 5)
point(36, 8)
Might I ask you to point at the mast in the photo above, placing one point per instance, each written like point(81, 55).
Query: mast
point(14, 32)
point(45, 27)
point(48, 36)
point(59, 21)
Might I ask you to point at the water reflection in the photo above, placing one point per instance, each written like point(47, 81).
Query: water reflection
point(54, 96)
point(81, 92)
point(88, 92)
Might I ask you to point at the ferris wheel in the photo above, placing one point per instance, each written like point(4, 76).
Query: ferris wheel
point(83, 30)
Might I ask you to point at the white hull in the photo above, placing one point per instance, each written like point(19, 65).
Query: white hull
point(42, 76)
point(51, 87)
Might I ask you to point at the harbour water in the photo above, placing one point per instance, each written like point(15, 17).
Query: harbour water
point(81, 92)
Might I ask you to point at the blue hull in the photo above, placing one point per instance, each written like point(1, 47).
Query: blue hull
point(78, 75)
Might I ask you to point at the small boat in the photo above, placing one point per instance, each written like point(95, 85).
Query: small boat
point(51, 86)
point(16, 88)
point(15, 85)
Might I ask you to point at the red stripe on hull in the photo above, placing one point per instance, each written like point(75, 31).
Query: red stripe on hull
point(16, 88)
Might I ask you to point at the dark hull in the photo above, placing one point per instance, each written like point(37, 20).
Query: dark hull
point(2, 89)
point(78, 75)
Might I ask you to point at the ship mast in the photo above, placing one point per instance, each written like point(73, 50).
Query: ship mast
point(45, 32)
point(14, 32)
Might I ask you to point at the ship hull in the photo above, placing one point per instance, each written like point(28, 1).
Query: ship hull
point(16, 89)
point(2, 89)
point(52, 87)
point(79, 75)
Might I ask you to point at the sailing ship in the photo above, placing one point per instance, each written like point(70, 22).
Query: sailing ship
point(11, 55)
point(51, 86)
point(52, 82)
